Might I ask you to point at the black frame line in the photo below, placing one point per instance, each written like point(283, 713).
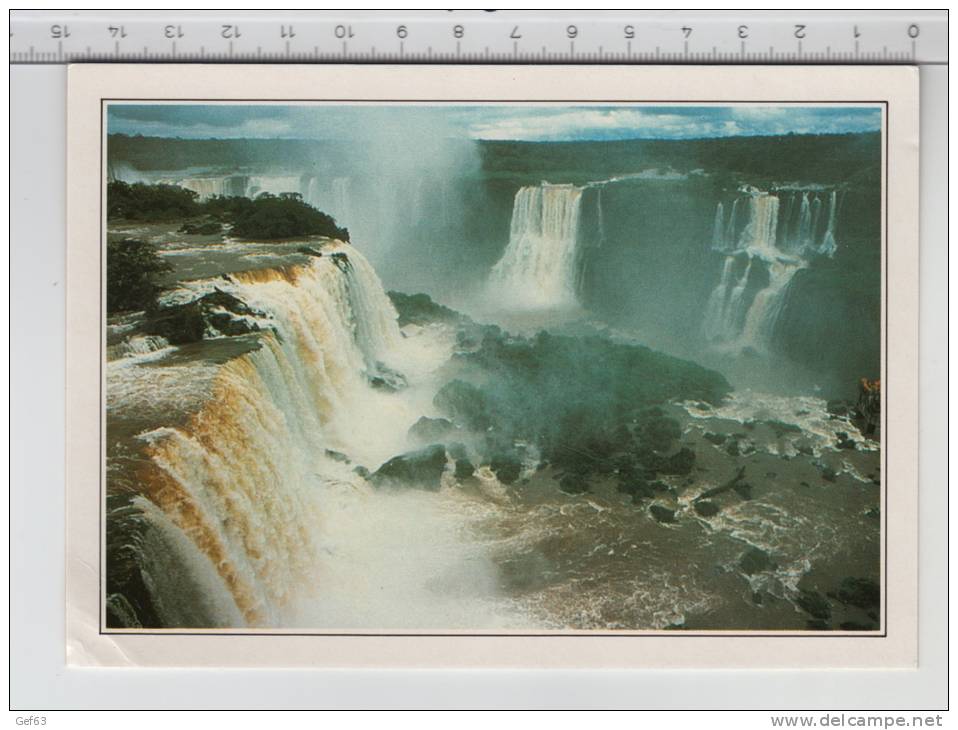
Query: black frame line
point(720, 634)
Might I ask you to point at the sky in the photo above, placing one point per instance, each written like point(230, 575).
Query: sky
point(493, 122)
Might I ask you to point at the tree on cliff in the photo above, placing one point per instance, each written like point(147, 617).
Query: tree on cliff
point(143, 202)
point(283, 216)
point(132, 270)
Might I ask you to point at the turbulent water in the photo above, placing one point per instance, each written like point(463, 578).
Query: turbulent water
point(239, 467)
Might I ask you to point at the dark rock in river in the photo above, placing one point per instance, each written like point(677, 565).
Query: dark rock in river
point(814, 604)
point(361, 471)
point(506, 467)
point(860, 592)
point(309, 251)
point(837, 407)
point(421, 309)
point(464, 468)
point(743, 490)
point(573, 484)
point(662, 514)
point(680, 463)
point(421, 469)
point(465, 403)
point(754, 560)
point(201, 229)
point(431, 429)
point(385, 378)
point(706, 508)
point(843, 442)
point(716, 438)
point(337, 456)
point(217, 311)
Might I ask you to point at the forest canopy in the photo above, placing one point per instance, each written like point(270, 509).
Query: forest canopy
point(267, 217)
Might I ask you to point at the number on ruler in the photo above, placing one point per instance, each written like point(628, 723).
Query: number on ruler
point(117, 31)
point(799, 31)
point(686, 31)
point(458, 31)
point(343, 31)
point(287, 31)
point(230, 31)
point(59, 31)
point(173, 31)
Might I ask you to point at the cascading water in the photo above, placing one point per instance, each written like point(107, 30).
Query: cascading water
point(233, 489)
point(740, 315)
point(539, 269)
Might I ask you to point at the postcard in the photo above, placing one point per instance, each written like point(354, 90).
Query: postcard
point(492, 366)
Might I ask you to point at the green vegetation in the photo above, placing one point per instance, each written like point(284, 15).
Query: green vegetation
point(589, 404)
point(283, 216)
point(132, 268)
point(141, 202)
point(268, 217)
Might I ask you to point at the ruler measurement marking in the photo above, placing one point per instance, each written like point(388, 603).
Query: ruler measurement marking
point(886, 39)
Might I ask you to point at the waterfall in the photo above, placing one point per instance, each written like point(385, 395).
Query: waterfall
point(718, 229)
point(233, 490)
point(539, 268)
point(829, 245)
point(340, 195)
point(732, 320)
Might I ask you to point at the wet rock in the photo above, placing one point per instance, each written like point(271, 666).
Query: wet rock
point(201, 229)
point(420, 469)
point(431, 429)
point(743, 490)
point(721, 489)
point(217, 311)
point(818, 625)
point(382, 377)
point(466, 404)
point(814, 604)
point(706, 508)
point(361, 471)
point(829, 475)
point(662, 514)
point(860, 592)
point(420, 309)
point(637, 488)
point(680, 463)
point(804, 449)
point(873, 513)
point(463, 465)
point(843, 442)
point(309, 251)
point(754, 560)
point(341, 260)
point(837, 407)
point(780, 428)
point(573, 484)
point(757, 598)
point(716, 438)
point(506, 467)
point(337, 456)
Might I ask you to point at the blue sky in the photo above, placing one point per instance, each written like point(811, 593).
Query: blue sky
point(533, 123)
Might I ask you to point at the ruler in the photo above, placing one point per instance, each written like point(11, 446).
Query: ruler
point(476, 36)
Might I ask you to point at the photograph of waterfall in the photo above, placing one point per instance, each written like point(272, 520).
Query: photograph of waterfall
point(493, 367)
